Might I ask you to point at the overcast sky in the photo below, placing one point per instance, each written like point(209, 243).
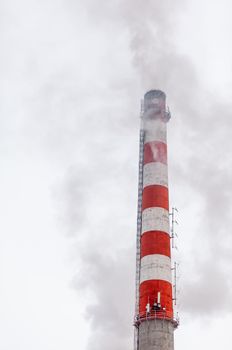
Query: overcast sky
point(72, 76)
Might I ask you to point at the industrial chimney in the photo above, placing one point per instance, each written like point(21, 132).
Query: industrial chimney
point(154, 317)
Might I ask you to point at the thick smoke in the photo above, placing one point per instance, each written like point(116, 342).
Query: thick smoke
point(205, 170)
point(108, 260)
point(208, 172)
point(197, 165)
point(72, 77)
point(105, 243)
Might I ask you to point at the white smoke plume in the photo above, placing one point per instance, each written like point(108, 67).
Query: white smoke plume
point(72, 76)
point(107, 264)
point(88, 121)
point(150, 28)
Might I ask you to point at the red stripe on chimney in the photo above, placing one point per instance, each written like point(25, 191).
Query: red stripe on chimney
point(155, 242)
point(155, 196)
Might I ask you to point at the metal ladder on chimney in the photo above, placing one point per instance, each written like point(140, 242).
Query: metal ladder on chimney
point(139, 229)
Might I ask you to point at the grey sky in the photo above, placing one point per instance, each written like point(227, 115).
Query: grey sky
point(72, 75)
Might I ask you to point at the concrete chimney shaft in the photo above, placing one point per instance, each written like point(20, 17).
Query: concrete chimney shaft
point(155, 329)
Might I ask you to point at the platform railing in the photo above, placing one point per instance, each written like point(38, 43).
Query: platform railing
point(156, 314)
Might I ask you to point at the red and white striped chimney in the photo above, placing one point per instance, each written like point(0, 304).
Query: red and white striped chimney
point(154, 272)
